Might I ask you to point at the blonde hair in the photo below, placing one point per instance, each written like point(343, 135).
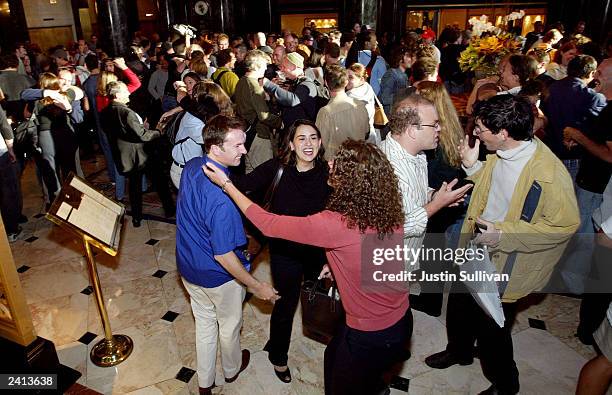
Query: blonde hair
point(48, 81)
point(359, 70)
point(451, 131)
point(103, 80)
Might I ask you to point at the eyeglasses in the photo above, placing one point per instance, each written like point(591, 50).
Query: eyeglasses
point(435, 125)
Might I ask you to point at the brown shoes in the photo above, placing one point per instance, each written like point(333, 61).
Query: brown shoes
point(246, 357)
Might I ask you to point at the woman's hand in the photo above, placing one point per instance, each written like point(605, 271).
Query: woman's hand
point(120, 63)
point(216, 175)
point(326, 273)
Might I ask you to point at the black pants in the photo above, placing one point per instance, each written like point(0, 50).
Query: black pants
point(598, 294)
point(466, 323)
point(10, 194)
point(135, 190)
point(287, 275)
point(355, 360)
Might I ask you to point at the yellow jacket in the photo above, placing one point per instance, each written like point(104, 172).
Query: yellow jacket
point(540, 243)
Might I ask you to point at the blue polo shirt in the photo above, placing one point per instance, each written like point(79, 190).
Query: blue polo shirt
point(208, 223)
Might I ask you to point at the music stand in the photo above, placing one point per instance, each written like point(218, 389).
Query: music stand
point(97, 220)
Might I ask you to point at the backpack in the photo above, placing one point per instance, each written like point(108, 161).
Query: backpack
point(322, 97)
point(171, 128)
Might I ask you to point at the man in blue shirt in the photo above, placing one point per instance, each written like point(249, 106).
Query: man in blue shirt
point(209, 242)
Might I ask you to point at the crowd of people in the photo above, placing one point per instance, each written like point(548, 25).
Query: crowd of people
point(285, 138)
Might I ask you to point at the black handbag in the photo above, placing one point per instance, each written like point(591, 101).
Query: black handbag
point(321, 314)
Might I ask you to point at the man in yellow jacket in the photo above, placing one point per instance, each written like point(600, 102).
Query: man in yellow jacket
point(525, 209)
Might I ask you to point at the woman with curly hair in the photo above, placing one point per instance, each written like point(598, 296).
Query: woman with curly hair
point(365, 204)
point(300, 190)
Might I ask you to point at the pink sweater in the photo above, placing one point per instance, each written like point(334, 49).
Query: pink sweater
point(365, 310)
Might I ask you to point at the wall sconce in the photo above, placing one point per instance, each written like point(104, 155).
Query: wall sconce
point(148, 15)
point(52, 1)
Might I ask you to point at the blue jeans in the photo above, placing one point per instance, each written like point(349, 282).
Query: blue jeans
point(572, 166)
point(576, 266)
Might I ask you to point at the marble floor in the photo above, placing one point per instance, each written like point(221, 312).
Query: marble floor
point(146, 301)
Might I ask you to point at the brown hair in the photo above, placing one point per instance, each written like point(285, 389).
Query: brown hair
point(218, 127)
point(568, 46)
point(336, 77)
point(365, 189)
point(199, 67)
point(423, 67)
point(451, 131)
point(287, 156)
point(206, 91)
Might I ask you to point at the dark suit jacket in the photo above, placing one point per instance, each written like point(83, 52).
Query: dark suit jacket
point(127, 135)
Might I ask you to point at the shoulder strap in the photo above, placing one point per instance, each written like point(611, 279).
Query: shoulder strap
point(270, 193)
point(373, 58)
point(217, 80)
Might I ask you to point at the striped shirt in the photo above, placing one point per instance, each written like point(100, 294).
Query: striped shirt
point(413, 184)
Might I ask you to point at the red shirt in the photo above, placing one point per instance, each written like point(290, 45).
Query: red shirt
point(365, 310)
point(132, 83)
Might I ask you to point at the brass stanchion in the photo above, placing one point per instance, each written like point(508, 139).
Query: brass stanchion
point(113, 349)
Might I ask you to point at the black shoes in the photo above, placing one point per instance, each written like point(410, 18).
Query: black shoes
point(444, 359)
point(206, 391)
point(284, 376)
point(493, 390)
point(246, 357)
point(136, 223)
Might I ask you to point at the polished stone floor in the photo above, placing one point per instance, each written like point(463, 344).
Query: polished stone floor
point(146, 301)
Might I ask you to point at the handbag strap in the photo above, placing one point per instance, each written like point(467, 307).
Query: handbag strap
point(270, 193)
point(378, 104)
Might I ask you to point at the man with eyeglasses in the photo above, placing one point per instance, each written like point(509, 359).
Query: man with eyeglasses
point(415, 128)
point(525, 210)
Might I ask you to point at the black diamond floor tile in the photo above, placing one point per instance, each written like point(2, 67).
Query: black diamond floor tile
point(152, 242)
point(31, 239)
point(87, 291)
point(170, 316)
point(400, 383)
point(87, 337)
point(160, 273)
point(39, 215)
point(537, 324)
point(185, 374)
point(23, 269)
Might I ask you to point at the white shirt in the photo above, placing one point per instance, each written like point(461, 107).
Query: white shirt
point(413, 184)
point(504, 178)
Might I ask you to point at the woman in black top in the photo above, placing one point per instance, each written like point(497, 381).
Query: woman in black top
point(302, 190)
point(56, 137)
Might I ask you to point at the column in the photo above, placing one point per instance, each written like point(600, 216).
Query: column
point(113, 26)
point(362, 11)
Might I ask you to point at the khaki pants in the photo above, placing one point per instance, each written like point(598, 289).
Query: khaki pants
point(260, 152)
point(218, 316)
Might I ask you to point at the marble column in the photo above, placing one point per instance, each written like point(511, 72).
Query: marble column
point(166, 12)
point(113, 25)
point(362, 11)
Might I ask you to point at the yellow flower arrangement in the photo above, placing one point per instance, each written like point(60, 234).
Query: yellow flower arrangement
point(484, 54)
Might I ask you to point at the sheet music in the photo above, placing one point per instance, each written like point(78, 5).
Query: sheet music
point(90, 211)
point(94, 217)
point(95, 195)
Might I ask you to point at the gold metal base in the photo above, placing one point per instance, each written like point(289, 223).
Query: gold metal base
point(111, 352)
